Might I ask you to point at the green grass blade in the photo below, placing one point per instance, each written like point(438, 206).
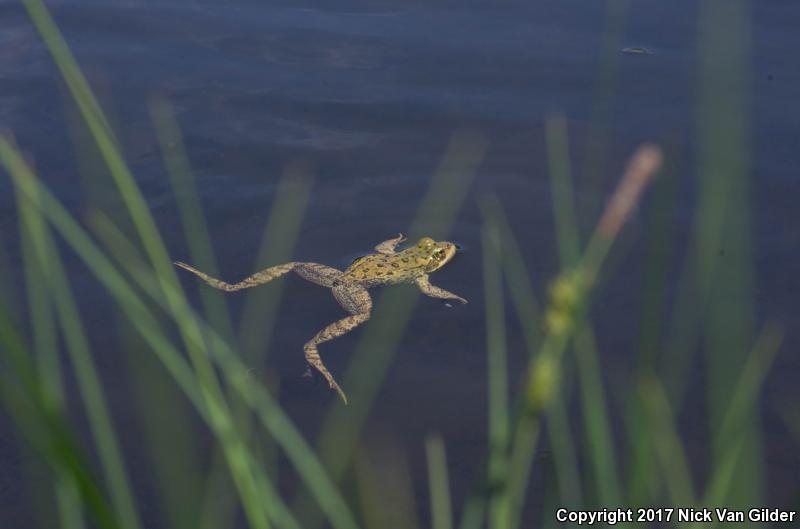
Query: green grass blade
point(195, 228)
point(516, 273)
point(68, 500)
point(439, 483)
point(78, 346)
point(566, 220)
point(595, 416)
point(384, 486)
point(43, 327)
point(42, 427)
point(738, 422)
point(666, 443)
point(196, 234)
point(277, 244)
point(568, 239)
point(527, 309)
point(723, 226)
point(496, 352)
point(474, 513)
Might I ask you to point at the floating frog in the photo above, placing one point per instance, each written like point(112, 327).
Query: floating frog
point(386, 267)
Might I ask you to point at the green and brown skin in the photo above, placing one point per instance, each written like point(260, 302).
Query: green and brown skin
point(387, 267)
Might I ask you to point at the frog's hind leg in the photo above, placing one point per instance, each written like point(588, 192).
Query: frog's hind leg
point(316, 273)
point(387, 247)
point(256, 279)
point(355, 299)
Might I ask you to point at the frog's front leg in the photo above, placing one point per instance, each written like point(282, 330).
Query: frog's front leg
point(387, 247)
point(355, 299)
point(435, 292)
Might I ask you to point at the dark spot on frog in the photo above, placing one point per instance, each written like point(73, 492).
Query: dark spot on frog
point(395, 265)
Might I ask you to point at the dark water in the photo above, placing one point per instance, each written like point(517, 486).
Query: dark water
point(369, 95)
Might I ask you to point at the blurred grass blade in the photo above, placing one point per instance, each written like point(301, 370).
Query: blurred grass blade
point(497, 371)
point(515, 271)
point(738, 422)
point(68, 500)
point(438, 483)
point(604, 94)
point(193, 220)
point(666, 441)
point(43, 327)
point(44, 429)
point(566, 221)
point(527, 309)
point(595, 416)
point(92, 394)
point(277, 245)
point(592, 398)
point(384, 485)
point(474, 513)
point(196, 234)
point(723, 226)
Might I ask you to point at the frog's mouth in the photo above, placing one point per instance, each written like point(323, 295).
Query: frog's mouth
point(441, 256)
point(450, 252)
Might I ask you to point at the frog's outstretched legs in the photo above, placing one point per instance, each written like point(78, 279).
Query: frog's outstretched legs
point(355, 299)
point(387, 247)
point(256, 279)
point(435, 292)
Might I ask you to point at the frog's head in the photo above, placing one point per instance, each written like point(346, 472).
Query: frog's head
point(438, 253)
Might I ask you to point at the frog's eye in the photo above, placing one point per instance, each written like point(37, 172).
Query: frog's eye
point(439, 253)
point(426, 243)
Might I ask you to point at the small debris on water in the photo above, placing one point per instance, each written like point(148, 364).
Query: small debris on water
point(637, 50)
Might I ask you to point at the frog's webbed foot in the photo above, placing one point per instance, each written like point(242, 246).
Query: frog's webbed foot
point(387, 247)
point(435, 292)
point(256, 279)
point(355, 299)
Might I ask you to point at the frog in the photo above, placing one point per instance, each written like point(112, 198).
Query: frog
point(350, 287)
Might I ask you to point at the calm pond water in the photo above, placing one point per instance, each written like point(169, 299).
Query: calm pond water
point(369, 95)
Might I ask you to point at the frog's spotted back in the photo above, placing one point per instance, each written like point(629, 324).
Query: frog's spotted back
point(386, 267)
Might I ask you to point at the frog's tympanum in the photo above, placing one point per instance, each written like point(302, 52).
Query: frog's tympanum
point(386, 267)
